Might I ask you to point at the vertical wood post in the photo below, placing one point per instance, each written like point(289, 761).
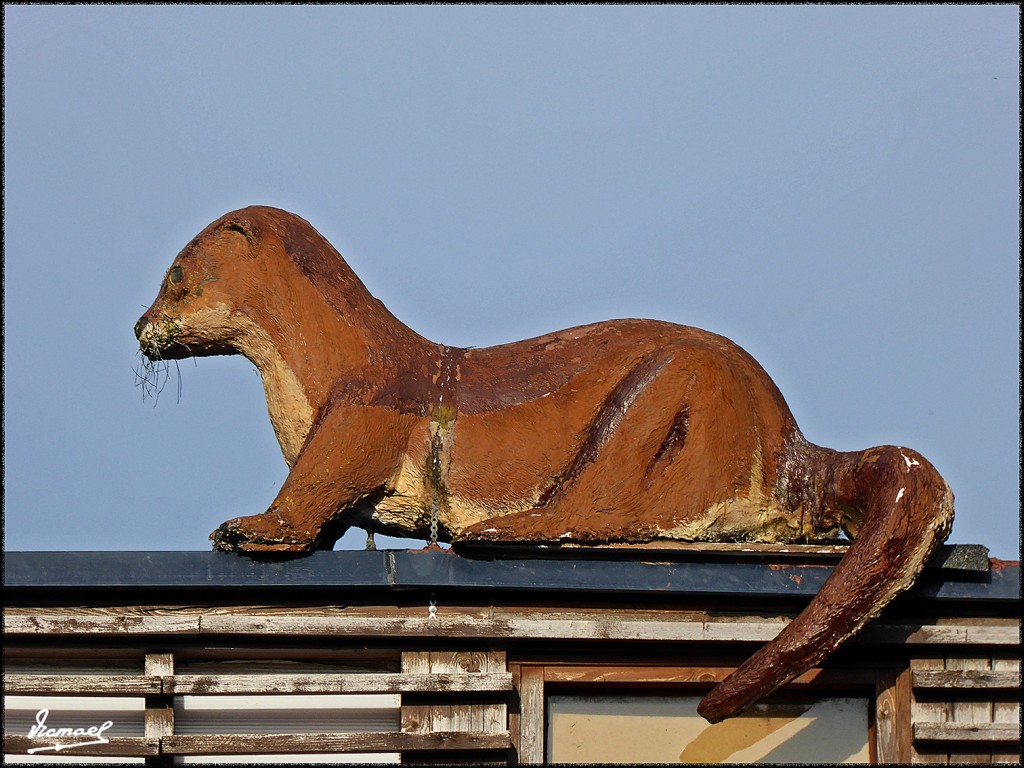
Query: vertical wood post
point(531, 715)
point(893, 727)
point(159, 715)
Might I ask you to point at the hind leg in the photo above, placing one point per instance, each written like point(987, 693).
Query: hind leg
point(653, 459)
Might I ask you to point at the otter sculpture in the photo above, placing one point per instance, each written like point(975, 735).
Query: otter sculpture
point(622, 431)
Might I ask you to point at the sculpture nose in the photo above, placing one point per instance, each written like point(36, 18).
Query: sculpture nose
point(139, 326)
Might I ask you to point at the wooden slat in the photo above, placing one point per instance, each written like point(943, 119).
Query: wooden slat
point(151, 685)
point(501, 623)
point(82, 685)
point(383, 682)
point(610, 675)
point(104, 621)
point(330, 742)
point(684, 676)
point(506, 624)
point(940, 634)
point(966, 679)
point(974, 732)
point(116, 746)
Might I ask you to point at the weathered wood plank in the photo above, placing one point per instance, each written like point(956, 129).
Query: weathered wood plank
point(939, 634)
point(619, 675)
point(969, 711)
point(494, 717)
point(330, 742)
point(371, 682)
point(928, 709)
point(892, 718)
point(514, 719)
point(82, 685)
point(446, 714)
point(541, 626)
point(1006, 710)
point(980, 732)
point(609, 675)
point(480, 623)
point(966, 679)
point(531, 715)
point(417, 716)
point(151, 685)
point(116, 746)
point(108, 621)
point(425, 711)
point(159, 714)
point(475, 715)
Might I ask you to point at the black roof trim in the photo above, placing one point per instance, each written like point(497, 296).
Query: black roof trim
point(444, 569)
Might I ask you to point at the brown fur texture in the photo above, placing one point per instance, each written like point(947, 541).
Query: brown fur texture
point(623, 431)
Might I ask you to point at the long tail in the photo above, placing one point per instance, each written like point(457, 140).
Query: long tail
point(907, 511)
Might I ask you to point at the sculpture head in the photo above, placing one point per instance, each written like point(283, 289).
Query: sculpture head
point(201, 308)
point(249, 279)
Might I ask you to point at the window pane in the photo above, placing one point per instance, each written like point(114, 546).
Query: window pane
point(292, 713)
point(667, 729)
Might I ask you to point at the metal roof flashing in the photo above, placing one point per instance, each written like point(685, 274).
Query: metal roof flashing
point(956, 573)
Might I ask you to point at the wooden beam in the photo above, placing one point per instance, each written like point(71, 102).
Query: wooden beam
point(82, 685)
point(152, 685)
point(371, 682)
point(102, 621)
point(696, 676)
point(966, 679)
point(481, 623)
point(973, 732)
point(331, 742)
point(116, 746)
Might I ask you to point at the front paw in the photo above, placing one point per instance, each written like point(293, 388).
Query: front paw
point(259, 534)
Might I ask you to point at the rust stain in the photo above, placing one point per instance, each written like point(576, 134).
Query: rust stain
point(997, 565)
point(627, 431)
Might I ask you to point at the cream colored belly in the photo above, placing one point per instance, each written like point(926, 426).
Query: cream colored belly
point(407, 504)
point(744, 520)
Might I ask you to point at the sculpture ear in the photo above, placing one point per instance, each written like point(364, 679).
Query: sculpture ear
point(244, 227)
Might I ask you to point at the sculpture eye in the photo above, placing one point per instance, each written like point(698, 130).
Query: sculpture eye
point(175, 275)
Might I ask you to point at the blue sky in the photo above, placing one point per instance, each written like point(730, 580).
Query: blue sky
point(835, 188)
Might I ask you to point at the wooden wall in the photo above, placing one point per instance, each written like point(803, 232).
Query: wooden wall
point(473, 675)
